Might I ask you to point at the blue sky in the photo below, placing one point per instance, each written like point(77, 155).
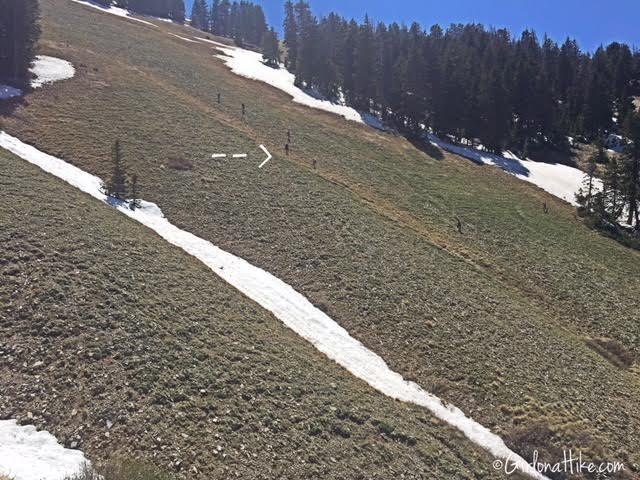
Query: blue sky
point(590, 22)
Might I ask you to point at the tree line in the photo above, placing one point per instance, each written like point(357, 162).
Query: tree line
point(19, 33)
point(619, 199)
point(242, 21)
point(466, 81)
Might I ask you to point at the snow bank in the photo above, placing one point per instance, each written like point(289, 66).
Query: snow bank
point(117, 11)
point(50, 69)
point(26, 454)
point(293, 309)
point(46, 70)
point(182, 38)
point(249, 64)
point(7, 92)
point(559, 180)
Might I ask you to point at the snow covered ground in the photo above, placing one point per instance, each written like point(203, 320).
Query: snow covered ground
point(27, 454)
point(560, 180)
point(117, 11)
point(50, 69)
point(293, 309)
point(46, 70)
point(249, 64)
point(7, 92)
point(183, 38)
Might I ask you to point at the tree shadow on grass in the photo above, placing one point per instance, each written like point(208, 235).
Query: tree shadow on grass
point(427, 147)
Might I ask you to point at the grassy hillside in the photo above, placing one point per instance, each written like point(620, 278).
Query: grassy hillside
point(504, 320)
point(124, 346)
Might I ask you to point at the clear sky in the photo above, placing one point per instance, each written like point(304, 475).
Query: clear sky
point(591, 22)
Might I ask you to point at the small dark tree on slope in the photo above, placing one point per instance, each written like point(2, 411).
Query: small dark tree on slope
point(271, 48)
point(116, 187)
point(135, 201)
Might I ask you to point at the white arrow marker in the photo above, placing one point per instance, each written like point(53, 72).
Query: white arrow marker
point(269, 157)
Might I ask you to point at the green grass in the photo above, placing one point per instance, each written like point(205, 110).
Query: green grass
point(126, 347)
point(497, 320)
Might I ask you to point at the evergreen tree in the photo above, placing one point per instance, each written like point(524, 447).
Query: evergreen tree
point(290, 35)
point(305, 59)
point(271, 48)
point(135, 200)
point(214, 18)
point(199, 15)
point(117, 186)
point(631, 169)
point(612, 181)
point(223, 19)
point(19, 33)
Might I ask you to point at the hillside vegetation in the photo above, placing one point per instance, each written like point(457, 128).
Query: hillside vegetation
point(516, 320)
point(126, 347)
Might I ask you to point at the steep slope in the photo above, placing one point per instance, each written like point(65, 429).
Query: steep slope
point(497, 320)
point(125, 346)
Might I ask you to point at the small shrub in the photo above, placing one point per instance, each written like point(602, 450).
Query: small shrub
point(121, 470)
point(612, 350)
point(180, 164)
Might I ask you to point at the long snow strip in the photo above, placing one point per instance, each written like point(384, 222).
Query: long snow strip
point(117, 11)
point(249, 64)
point(293, 309)
point(28, 454)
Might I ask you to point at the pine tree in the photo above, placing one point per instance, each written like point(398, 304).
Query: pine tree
point(271, 48)
point(19, 33)
point(364, 88)
point(135, 200)
point(612, 185)
point(631, 169)
point(214, 18)
point(199, 15)
point(116, 187)
point(177, 12)
point(306, 43)
point(291, 35)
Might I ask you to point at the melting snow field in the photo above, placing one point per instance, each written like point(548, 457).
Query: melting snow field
point(46, 70)
point(117, 11)
point(27, 454)
point(50, 69)
point(249, 64)
point(289, 306)
point(559, 180)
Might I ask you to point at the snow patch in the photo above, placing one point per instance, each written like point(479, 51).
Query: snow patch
point(293, 309)
point(50, 69)
point(27, 454)
point(45, 70)
point(182, 38)
point(559, 180)
point(249, 64)
point(7, 92)
point(117, 11)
